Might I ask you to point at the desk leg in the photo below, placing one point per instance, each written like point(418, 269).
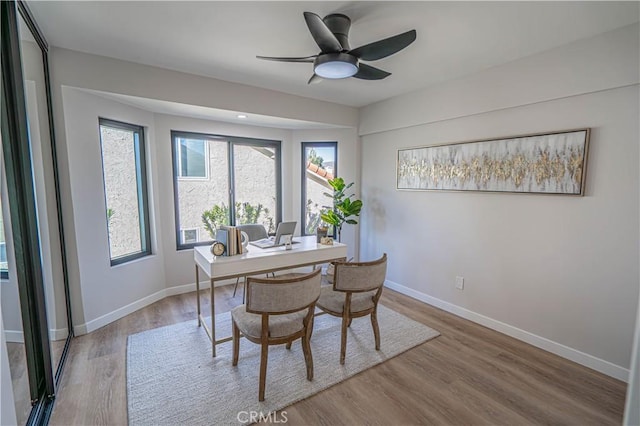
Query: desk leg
point(213, 320)
point(198, 293)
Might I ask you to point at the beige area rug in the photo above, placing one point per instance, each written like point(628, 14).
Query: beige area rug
point(172, 379)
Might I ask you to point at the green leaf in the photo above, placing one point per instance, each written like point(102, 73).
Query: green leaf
point(344, 209)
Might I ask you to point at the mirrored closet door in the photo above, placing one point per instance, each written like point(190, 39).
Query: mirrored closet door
point(34, 289)
point(33, 52)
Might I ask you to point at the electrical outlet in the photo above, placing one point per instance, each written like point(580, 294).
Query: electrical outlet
point(460, 283)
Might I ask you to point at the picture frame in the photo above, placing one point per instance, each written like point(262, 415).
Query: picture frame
point(541, 163)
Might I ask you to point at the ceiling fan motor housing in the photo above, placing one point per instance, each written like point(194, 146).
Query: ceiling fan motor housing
point(339, 25)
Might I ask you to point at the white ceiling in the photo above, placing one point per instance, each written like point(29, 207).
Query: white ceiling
point(221, 39)
point(207, 113)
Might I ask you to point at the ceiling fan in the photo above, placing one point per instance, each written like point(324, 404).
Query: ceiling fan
point(336, 58)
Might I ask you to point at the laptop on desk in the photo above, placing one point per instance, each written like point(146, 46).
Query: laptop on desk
point(284, 228)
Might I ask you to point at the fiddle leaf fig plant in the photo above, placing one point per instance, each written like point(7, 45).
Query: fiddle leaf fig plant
point(345, 210)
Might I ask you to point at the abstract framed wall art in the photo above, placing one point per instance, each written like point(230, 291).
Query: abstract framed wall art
point(549, 163)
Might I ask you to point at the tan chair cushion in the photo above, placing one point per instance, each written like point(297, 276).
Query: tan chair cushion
point(334, 300)
point(279, 325)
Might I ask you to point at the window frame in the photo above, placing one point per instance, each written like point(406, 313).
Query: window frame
point(231, 141)
point(206, 168)
point(141, 189)
point(303, 182)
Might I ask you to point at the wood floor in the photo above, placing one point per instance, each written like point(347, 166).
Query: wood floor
point(20, 377)
point(469, 375)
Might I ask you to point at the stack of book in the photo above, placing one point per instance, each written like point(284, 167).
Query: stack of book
point(231, 237)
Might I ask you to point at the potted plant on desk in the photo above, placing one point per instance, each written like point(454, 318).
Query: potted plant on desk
point(345, 210)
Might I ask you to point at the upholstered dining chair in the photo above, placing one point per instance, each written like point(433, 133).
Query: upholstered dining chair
point(356, 289)
point(278, 311)
point(255, 232)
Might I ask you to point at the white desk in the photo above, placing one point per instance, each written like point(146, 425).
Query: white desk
point(258, 261)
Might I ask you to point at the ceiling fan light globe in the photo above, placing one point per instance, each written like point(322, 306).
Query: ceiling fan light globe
point(335, 65)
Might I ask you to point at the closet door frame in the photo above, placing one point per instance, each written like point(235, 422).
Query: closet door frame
point(22, 208)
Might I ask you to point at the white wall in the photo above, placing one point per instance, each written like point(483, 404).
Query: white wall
point(99, 293)
point(101, 288)
point(557, 271)
point(88, 71)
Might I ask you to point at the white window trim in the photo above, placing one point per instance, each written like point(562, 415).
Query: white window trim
point(207, 162)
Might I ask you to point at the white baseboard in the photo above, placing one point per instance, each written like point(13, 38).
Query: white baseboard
point(58, 334)
point(13, 336)
point(559, 349)
point(95, 324)
point(106, 319)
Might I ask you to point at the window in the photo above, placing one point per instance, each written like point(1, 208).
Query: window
point(125, 190)
point(190, 235)
point(192, 158)
point(319, 164)
point(243, 185)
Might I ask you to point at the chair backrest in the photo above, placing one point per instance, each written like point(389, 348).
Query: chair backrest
point(255, 231)
point(282, 295)
point(360, 276)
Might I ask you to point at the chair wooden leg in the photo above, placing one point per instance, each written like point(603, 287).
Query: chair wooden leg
point(264, 353)
point(376, 330)
point(343, 341)
point(236, 342)
point(310, 327)
point(244, 290)
point(289, 345)
point(350, 319)
point(308, 358)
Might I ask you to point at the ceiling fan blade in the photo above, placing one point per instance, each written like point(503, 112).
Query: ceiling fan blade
point(315, 78)
point(278, 59)
point(383, 48)
point(323, 36)
point(367, 72)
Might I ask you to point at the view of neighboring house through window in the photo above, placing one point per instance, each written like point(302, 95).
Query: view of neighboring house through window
point(223, 180)
point(125, 188)
point(319, 164)
point(192, 158)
